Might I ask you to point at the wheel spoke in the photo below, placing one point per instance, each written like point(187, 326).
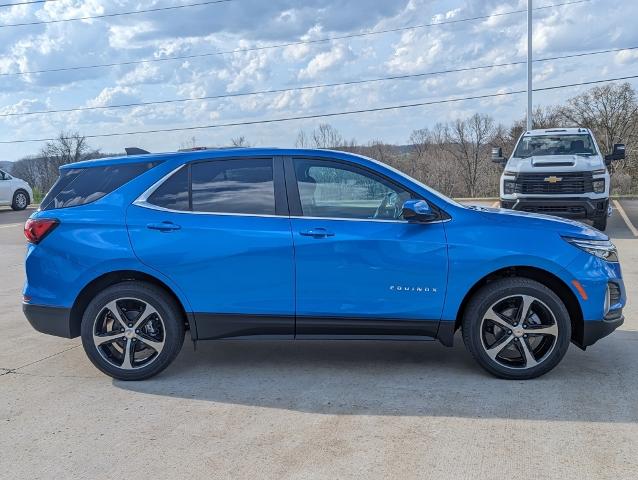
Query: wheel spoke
point(523, 310)
point(530, 361)
point(498, 318)
point(100, 339)
point(115, 311)
point(154, 344)
point(494, 350)
point(543, 330)
point(127, 362)
point(146, 313)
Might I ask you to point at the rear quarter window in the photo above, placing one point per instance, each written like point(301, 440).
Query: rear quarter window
point(79, 186)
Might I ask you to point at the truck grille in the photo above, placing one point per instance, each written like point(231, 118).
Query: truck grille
point(548, 183)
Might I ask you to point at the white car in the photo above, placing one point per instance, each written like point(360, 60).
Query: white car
point(14, 192)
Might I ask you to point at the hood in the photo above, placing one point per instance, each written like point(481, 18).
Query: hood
point(536, 163)
point(538, 221)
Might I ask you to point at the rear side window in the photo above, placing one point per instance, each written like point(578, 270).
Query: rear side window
point(233, 186)
point(173, 193)
point(220, 186)
point(79, 186)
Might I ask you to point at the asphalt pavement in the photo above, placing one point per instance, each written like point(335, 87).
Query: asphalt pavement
point(327, 410)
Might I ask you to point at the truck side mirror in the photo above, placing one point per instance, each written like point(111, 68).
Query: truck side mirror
point(497, 155)
point(618, 153)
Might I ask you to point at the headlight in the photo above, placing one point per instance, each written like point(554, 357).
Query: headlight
point(599, 248)
point(602, 171)
point(507, 173)
point(508, 187)
point(599, 185)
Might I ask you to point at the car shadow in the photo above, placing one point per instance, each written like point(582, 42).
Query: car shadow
point(402, 379)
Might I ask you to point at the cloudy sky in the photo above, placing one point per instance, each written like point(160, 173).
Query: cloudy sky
point(245, 24)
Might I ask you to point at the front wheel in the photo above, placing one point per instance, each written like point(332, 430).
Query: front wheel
point(132, 330)
point(516, 328)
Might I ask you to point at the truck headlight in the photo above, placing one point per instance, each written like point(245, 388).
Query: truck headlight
point(599, 248)
point(508, 187)
point(599, 185)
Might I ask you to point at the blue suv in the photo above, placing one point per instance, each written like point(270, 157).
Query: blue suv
point(130, 253)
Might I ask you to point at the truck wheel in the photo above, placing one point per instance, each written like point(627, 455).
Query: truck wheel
point(132, 330)
point(516, 328)
point(600, 223)
point(20, 200)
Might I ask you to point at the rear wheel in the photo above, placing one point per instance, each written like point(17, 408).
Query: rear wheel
point(132, 330)
point(20, 200)
point(516, 328)
point(600, 223)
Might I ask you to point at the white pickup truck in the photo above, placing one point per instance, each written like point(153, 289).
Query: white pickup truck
point(559, 171)
point(14, 192)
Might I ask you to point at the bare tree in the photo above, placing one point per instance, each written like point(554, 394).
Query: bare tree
point(609, 111)
point(326, 136)
point(188, 144)
point(67, 148)
point(32, 170)
point(302, 139)
point(467, 141)
point(240, 141)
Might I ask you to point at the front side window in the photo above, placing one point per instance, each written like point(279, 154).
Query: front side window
point(242, 186)
point(555, 145)
point(334, 190)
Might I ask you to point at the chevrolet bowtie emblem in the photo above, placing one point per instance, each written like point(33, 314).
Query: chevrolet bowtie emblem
point(553, 179)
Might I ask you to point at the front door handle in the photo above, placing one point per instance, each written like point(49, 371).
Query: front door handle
point(319, 232)
point(163, 226)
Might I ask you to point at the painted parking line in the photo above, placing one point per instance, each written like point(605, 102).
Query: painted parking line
point(496, 204)
point(11, 225)
point(624, 216)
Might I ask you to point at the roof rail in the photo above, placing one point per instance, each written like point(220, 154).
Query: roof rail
point(135, 151)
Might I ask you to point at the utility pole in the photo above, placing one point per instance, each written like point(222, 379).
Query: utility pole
point(529, 64)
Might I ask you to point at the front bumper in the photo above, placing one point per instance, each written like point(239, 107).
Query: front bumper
point(594, 330)
point(572, 207)
point(51, 320)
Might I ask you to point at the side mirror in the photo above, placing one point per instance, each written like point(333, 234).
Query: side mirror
point(418, 211)
point(618, 153)
point(497, 155)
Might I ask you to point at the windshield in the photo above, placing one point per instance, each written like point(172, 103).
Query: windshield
point(555, 145)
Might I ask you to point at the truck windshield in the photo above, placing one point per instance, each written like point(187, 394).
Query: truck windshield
point(536, 145)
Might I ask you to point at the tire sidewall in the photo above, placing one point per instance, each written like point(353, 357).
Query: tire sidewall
point(501, 289)
point(173, 328)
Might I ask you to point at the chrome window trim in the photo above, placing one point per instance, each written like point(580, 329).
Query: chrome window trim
point(142, 201)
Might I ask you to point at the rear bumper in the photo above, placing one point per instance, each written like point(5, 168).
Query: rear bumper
point(573, 207)
point(51, 320)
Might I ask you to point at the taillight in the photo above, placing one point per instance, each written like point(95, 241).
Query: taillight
point(37, 228)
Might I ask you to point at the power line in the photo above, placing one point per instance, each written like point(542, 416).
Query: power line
point(330, 114)
point(288, 44)
point(111, 15)
point(306, 87)
point(30, 2)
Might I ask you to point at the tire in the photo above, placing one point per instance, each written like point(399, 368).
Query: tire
point(508, 348)
point(20, 200)
point(600, 223)
point(152, 332)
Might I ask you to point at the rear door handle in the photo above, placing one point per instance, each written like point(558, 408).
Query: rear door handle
point(319, 232)
point(163, 226)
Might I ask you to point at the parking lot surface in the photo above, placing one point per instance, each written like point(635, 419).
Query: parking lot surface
point(332, 410)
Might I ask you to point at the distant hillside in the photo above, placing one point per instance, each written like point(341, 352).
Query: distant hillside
point(6, 166)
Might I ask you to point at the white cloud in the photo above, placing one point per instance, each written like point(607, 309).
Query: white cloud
point(337, 56)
